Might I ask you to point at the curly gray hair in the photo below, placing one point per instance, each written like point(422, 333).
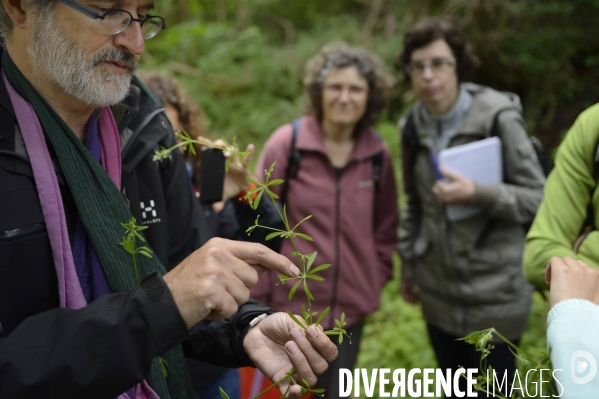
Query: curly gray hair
point(341, 55)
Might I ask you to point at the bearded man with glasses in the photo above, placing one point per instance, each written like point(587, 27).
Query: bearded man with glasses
point(466, 272)
point(77, 136)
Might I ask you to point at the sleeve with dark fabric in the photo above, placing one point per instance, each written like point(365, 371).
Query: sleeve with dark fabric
point(221, 342)
point(98, 351)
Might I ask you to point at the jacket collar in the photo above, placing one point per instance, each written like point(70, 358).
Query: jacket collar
point(310, 138)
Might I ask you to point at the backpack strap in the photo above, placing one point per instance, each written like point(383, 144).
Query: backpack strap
point(494, 132)
point(410, 144)
point(293, 162)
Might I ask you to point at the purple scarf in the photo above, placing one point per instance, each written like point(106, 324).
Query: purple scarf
point(71, 294)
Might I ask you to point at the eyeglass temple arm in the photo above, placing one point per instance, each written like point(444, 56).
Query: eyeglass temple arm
point(81, 8)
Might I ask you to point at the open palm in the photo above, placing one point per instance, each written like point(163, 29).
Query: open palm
point(277, 344)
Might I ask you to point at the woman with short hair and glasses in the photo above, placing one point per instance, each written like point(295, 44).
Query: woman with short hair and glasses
point(340, 171)
point(467, 271)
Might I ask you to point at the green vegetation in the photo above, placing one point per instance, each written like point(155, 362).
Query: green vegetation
point(243, 62)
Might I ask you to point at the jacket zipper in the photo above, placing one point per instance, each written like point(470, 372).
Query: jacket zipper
point(337, 250)
point(16, 155)
point(144, 123)
point(451, 258)
point(449, 252)
point(21, 232)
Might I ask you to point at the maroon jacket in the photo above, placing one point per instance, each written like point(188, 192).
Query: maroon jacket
point(354, 225)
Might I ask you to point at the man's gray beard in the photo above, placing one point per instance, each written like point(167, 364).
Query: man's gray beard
point(79, 77)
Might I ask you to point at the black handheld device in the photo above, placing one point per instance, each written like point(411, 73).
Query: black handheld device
point(212, 176)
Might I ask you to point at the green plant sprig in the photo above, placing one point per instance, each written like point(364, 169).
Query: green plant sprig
point(131, 235)
point(128, 243)
point(307, 272)
point(482, 342)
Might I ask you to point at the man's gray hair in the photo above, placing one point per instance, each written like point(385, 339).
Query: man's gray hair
point(41, 7)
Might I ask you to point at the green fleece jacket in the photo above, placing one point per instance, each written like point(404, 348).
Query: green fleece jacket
point(570, 188)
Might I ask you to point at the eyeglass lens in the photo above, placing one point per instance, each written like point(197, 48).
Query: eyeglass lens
point(437, 65)
point(118, 20)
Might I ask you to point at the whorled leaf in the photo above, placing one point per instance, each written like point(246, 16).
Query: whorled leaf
point(320, 268)
point(296, 320)
point(322, 315)
point(293, 289)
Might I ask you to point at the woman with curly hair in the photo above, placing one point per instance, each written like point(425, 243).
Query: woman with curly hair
point(339, 170)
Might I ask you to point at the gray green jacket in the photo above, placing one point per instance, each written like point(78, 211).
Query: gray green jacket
point(466, 287)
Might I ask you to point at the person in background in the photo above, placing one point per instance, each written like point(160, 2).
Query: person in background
point(566, 224)
point(466, 273)
point(183, 114)
point(338, 169)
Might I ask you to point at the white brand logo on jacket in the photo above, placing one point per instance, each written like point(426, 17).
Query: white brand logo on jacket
point(148, 213)
point(145, 210)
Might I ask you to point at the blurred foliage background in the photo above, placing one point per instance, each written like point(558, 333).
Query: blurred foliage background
point(243, 61)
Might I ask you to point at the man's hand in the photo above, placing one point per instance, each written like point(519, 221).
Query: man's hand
point(457, 191)
point(277, 344)
point(569, 278)
point(213, 281)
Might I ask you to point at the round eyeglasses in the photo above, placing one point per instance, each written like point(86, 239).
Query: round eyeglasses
point(116, 20)
point(437, 65)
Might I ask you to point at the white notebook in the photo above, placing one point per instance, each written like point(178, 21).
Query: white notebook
point(481, 162)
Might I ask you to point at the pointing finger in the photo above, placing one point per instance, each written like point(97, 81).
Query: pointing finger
point(259, 255)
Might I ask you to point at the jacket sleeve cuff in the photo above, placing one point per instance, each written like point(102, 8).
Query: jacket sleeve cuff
point(564, 307)
point(250, 311)
point(484, 196)
point(163, 316)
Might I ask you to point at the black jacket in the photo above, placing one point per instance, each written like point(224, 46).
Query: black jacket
point(105, 348)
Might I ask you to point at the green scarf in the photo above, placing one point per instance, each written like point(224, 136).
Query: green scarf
point(101, 208)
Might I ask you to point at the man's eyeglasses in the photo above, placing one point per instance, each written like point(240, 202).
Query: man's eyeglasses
point(336, 89)
point(437, 65)
point(115, 21)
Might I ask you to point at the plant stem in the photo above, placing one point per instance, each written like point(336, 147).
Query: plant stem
point(135, 268)
point(288, 375)
point(507, 341)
